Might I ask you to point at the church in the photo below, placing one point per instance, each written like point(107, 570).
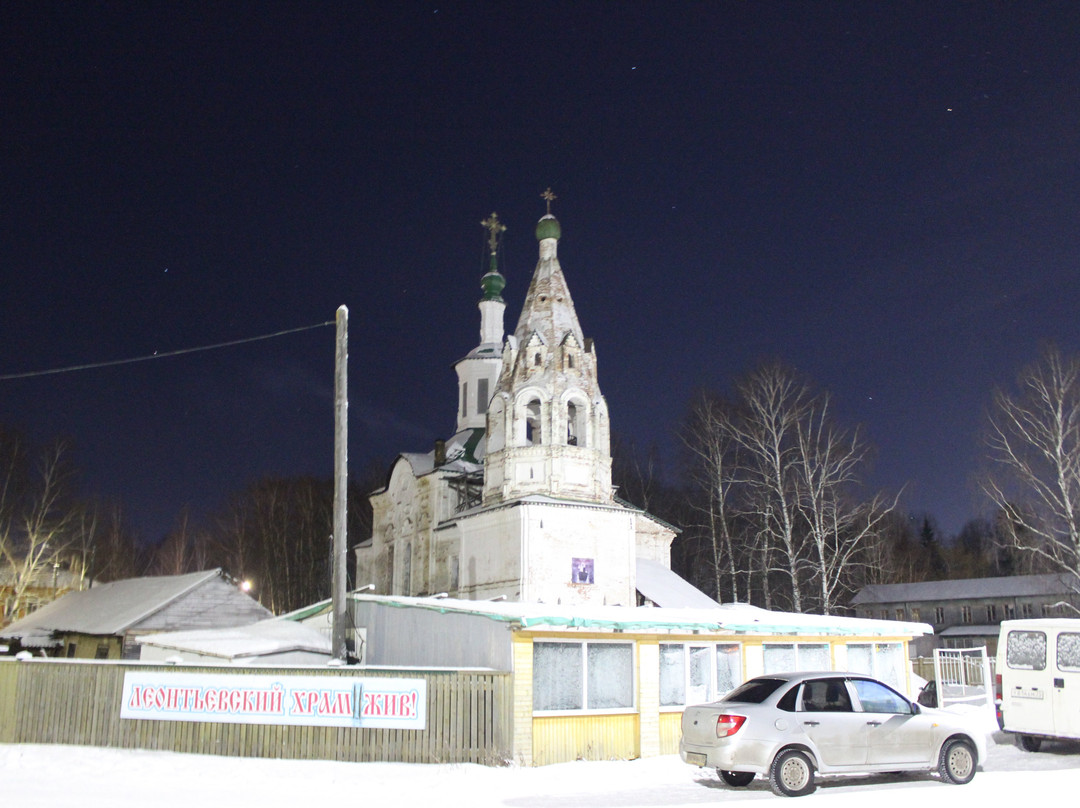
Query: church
point(518, 504)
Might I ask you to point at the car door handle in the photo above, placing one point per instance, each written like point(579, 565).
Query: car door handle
point(811, 723)
point(873, 723)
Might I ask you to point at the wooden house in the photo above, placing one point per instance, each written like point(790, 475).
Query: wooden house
point(103, 622)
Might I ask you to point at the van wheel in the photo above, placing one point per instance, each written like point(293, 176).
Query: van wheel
point(1029, 743)
point(736, 779)
point(957, 762)
point(792, 774)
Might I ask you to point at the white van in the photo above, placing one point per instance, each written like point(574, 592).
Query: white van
point(1038, 666)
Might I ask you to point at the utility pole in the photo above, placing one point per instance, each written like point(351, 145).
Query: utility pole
point(341, 482)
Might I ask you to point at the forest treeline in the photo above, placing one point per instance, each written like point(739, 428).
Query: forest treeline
point(768, 498)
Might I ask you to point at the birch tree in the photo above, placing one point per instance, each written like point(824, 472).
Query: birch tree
point(1034, 441)
point(37, 516)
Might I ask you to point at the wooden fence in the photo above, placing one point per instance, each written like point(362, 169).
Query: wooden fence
point(78, 702)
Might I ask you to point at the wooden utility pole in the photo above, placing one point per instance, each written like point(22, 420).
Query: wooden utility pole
point(341, 482)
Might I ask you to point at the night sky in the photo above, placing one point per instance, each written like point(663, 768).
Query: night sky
point(885, 196)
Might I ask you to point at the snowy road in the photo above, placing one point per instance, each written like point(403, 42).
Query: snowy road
point(52, 776)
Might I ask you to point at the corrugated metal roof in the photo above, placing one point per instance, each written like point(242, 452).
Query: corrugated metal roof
point(967, 589)
point(109, 608)
point(274, 636)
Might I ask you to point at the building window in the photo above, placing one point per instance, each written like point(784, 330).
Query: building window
point(1008, 611)
point(694, 673)
point(883, 660)
point(797, 657)
point(582, 676)
point(102, 651)
point(939, 615)
point(899, 614)
point(915, 615)
point(1026, 610)
point(455, 573)
point(533, 434)
point(884, 614)
point(965, 615)
point(991, 613)
point(464, 399)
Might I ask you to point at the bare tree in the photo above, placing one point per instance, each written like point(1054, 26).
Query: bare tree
point(37, 516)
point(1034, 439)
point(709, 437)
point(775, 400)
point(839, 527)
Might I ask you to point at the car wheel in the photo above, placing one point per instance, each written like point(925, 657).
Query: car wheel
point(957, 762)
point(792, 774)
point(1029, 743)
point(736, 779)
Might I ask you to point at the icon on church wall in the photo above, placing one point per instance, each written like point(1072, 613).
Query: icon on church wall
point(581, 571)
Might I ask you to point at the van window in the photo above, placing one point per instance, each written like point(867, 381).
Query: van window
point(1068, 651)
point(1026, 650)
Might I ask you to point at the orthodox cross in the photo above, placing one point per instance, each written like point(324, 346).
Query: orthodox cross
point(548, 196)
point(494, 227)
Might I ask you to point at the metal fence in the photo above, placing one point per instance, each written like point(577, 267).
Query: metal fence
point(78, 702)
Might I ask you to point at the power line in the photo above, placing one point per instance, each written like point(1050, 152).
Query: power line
point(165, 355)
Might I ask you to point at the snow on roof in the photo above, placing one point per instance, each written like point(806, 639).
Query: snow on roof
point(273, 636)
point(967, 588)
point(733, 617)
point(666, 589)
point(108, 608)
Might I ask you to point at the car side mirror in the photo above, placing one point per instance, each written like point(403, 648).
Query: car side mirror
point(915, 709)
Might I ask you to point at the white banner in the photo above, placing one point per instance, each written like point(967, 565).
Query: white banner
point(320, 701)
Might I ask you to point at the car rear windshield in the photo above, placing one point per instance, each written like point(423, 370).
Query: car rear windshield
point(755, 691)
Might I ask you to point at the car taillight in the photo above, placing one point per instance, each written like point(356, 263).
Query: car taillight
point(727, 725)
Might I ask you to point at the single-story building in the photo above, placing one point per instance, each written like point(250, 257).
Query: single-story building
point(103, 622)
point(611, 682)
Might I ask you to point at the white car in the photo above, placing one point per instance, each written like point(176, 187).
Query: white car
point(788, 726)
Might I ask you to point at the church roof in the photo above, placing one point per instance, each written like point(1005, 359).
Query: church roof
point(548, 310)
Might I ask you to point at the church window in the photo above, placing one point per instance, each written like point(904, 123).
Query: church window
point(533, 433)
point(536, 360)
point(575, 424)
point(570, 360)
point(406, 570)
point(464, 399)
point(482, 396)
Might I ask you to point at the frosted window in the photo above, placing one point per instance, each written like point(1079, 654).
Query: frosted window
point(814, 658)
point(1068, 651)
point(728, 668)
point(700, 674)
point(558, 676)
point(779, 658)
point(672, 676)
point(611, 675)
point(860, 659)
point(1026, 650)
point(889, 663)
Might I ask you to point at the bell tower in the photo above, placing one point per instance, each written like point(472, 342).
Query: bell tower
point(547, 424)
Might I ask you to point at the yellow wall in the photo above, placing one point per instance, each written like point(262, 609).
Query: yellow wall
point(646, 732)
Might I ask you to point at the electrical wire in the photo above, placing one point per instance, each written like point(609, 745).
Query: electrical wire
point(160, 355)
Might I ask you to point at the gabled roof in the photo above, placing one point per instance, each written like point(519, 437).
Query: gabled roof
point(1013, 586)
point(109, 608)
point(667, 589)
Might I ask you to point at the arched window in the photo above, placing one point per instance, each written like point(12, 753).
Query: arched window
point(533, 432)
point(575, 424)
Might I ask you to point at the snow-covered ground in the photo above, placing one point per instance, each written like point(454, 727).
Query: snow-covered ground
point(32, 775)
